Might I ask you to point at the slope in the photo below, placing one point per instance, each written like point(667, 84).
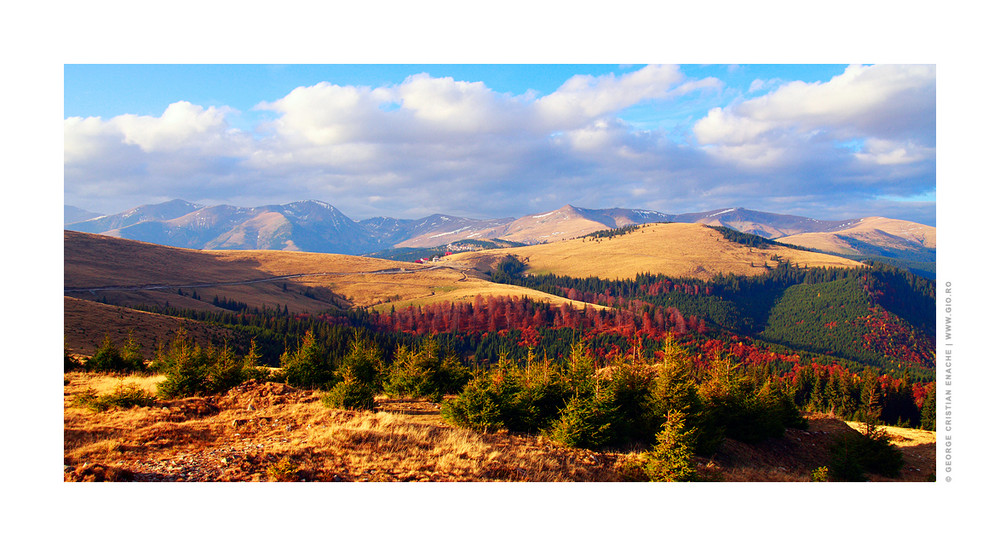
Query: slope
point(677, 250)
point(124, 272)
point(904, 244)
point(764, 224)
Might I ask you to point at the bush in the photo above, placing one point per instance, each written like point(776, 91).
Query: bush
point(283, 471)
point(195, 371)
point(123, 397)
point(509, 397)
point(854, 454)
point(109, 358)
point(308, 366)
point(70, 363)
point(585, 422)
point(350, 395)
point(630, 392)
point(672, 458)
point(745, 406)
point(423, 372)
point(480, 406)
point(821, 474)
point(362, 364)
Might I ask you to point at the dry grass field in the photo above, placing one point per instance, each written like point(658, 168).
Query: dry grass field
point(884, 232)
point(793, 457)
point(304, 282)
point(85, 323)
point(919, 449)
point(272, 432)
point(679, 250)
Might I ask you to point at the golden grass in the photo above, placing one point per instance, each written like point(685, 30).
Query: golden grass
point(269, 431)
point(261, 432)
point(85, 323)
point(873, 230)
point(321, 282)
point(468, 290)
point(919, 449)
point(678, 250)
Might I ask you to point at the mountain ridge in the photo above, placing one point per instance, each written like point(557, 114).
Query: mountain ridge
point(316, 226)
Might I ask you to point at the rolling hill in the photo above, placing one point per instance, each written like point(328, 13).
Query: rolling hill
point(314, 226)
point(885, 233)
point(764, 224)
point(124, 272)
point(900, 243)
point(677, 250)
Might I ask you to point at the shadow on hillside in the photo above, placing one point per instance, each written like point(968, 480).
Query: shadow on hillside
point(793, 457)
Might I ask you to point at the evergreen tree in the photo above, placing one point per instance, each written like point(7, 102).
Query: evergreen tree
point(672, 458)
point(928, 413)
point(308, 365)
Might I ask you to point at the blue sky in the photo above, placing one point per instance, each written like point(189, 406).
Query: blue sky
point(826, 141)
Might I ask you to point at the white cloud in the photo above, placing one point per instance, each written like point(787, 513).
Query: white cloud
point(584, 97)
point(441, 145)
point(889, 152)
point(881, 102)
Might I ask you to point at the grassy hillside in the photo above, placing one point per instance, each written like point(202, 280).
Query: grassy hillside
point(85, 323)
point(124, 272)
point(907, 245)
point(676, 250)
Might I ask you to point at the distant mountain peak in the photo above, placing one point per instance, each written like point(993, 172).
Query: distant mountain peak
point(317, 226)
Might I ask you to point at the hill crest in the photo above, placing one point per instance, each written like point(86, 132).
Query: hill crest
point(315, 226)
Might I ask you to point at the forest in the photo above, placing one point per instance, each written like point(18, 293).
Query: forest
point(672, 365)
point(479, 335)
point(876, 316)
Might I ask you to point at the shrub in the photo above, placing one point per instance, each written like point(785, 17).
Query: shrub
point(123, 397)
point(537, 401)
point(362, 364)
point(630, 392)
point(193, 371)
point(672, 458)
point(307, 366)
point(350, 395)
point(674, 390)
point(479, 406)
point(928, 417)
point(854, 454)
point(423, 372)
point(283, 471)
point(509, 397)
point(70, 362)
point(585, 422)
point(821, 474)
point(109, 358)
point(745, 406)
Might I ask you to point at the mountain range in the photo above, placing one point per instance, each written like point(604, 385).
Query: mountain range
point(315, 226)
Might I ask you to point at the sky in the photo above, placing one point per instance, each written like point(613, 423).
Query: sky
point(505, 140)
point(42, 93)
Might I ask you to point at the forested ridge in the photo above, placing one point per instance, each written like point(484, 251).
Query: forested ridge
point(672, 367)
point(877, 315)
point(635, 323)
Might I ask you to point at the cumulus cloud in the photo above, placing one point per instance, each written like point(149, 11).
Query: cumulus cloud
point(583, 98)
point(887, 102)
point(428, 144)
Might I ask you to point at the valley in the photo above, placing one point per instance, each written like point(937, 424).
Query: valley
point(556, 360)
